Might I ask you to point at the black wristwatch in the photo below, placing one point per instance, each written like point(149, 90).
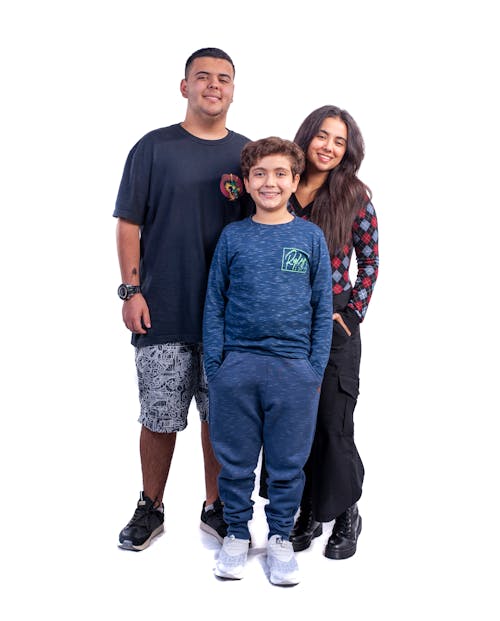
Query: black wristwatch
point(125, 292)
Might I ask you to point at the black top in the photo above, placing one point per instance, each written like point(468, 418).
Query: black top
point(182, 190)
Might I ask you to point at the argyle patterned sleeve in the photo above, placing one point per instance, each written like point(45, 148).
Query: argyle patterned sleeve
point(365, 242)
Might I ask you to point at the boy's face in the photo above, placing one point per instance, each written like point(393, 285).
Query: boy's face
point(271, 183)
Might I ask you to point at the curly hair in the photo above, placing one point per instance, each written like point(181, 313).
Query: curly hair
point(256, 150)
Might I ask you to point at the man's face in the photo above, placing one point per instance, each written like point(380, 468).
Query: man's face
point(209, 87)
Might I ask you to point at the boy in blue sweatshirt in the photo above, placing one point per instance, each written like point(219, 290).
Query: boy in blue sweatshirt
point(267, 331)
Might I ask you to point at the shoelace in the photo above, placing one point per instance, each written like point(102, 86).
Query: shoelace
point(143, 512)
point(305, 519)
point(216, 516)
point(344, 525)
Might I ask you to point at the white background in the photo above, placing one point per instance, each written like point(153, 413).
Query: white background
point(81, 83)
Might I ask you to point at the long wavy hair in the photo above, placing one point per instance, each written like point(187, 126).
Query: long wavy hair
point(340, 198)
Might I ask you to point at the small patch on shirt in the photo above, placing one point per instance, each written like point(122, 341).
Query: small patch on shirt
point(231, 186)
point(294, 260)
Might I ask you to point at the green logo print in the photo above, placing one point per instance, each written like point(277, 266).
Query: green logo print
point(294, 260)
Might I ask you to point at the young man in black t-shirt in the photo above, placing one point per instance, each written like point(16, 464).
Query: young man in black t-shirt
point(181, 185)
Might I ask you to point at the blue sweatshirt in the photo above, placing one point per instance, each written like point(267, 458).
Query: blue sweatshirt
point(269, 292)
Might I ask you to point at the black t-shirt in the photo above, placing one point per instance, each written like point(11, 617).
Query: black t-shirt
point(182, 191)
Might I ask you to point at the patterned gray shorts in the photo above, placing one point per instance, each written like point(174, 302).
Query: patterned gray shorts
point(169, 376)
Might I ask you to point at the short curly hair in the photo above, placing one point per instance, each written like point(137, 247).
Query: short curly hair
point(256, 150)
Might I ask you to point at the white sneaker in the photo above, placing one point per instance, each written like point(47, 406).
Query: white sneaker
point(232, 558)
point(283, 567)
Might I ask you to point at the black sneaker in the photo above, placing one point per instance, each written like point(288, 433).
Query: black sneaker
point(212, 521)
point(146, 523)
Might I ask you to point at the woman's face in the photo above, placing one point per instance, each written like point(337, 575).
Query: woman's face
point(328, 146)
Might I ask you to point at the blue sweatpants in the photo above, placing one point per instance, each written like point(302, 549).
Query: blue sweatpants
point(267, 402)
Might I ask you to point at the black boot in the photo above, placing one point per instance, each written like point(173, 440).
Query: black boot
point(305, 529)
point(342, 542)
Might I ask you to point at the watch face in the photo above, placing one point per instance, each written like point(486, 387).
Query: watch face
point(122, 292)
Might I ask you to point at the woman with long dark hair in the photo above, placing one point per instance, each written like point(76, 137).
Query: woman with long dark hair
point(331, 195)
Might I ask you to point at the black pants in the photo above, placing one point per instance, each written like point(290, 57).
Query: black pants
point(334, 471)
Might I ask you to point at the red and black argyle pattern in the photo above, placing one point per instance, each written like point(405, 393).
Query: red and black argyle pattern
point(365, 244)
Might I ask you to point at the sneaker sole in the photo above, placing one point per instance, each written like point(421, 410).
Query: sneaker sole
point(291, 581)
point(128, 545)
point(211, 531)
point(227, 575)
